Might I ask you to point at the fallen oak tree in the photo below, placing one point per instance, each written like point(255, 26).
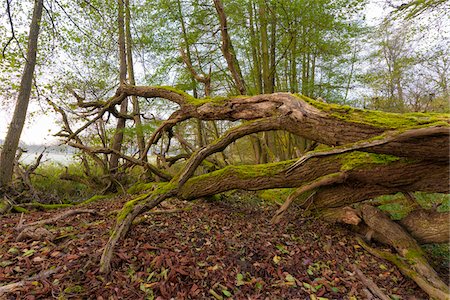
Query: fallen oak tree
point(403, 153)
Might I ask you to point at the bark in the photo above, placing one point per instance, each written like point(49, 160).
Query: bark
point(402, 242)
point(118, 135)
point(40, 276)
point(428, 226)
point(136, 109)
point(374, 154)
point(321, 122)
point(11, 143)
point(228, 50)
point(264, 47)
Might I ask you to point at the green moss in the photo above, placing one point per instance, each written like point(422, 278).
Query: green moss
point(128, 206)
point(243, 171)
point(95, 198)
point(197, 102)
point(20, 209)
point(384, 120)
point(188, 97)
point(141, 187)
point(413, 254)
point(160, 188)
point(164, 187)
point(354, 160)
point(275, 195)
point(5, 206)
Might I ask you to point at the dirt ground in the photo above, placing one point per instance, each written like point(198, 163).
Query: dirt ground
point(215, 250)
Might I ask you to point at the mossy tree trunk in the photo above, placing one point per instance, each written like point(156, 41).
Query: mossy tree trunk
point(370, 154)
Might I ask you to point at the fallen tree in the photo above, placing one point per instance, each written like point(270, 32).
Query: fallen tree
point(369, 153)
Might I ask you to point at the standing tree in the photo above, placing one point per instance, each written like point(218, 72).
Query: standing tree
point(18, 120)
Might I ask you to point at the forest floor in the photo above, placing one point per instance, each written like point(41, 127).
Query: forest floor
point(215, 250)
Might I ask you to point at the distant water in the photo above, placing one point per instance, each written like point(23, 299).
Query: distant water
point(54, 157)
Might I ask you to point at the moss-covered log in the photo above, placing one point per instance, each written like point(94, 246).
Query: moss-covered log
point(325, 123)
point(371, 153)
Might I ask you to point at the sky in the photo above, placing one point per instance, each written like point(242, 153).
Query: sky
point(41, 124)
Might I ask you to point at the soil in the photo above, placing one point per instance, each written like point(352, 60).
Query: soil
point(217, 249)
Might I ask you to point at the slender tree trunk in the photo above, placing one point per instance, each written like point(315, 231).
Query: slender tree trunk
point(228, 50)
point(136, 109)
point(15, 128)
point(273, 46)
point(294, 83)
point(264, 47)
point(118, 135)
point(255, 51)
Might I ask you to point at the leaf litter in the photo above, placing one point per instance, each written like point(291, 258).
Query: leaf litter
point(226, 249)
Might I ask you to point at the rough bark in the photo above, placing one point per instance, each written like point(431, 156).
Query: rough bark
point(118, 135)
point(130, 68)
point(325, 123)
point(371, 154)
point(228, 50)
point(428, 226)
point(11, 143)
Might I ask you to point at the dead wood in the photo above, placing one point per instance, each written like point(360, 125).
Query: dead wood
point(428, 226)
point(404, 244)
point(423, 283)
point(42, 275)
point(389, 137)
point(146, 202)
point(35, 232)
point(322, 181)
point(370, 284)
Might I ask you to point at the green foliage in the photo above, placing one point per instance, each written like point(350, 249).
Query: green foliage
point(398, 207)
point(47, 180)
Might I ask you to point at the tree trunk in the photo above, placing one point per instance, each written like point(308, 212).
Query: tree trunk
point(265, 60)
point(371, 153)
point(135, 101)
point(228, 50)
point(118, 135)
point(11, 143)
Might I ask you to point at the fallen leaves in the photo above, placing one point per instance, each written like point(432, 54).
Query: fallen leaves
point(198, 254)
